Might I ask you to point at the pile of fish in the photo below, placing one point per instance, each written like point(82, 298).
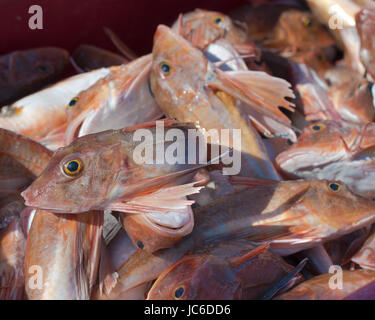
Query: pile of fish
point(81, 218)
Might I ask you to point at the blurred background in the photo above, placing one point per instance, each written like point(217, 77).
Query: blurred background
point(69, 23)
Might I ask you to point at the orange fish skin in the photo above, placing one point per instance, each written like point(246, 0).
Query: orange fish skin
point(291, 216)
point(199, 105)
point(66, 248)
point(212, 274)
point(109, 172)
point(332, 150)
point(29, 70)
point(354, 101)
point(299, 30)
point(203, 27)
point(120, 99)
point(318, 288)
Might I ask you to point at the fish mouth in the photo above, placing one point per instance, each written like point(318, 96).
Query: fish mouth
point(306, 159)
point(33, 200)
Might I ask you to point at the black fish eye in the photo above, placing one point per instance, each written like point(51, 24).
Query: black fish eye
point(179, 293)
point(73, 102)
point(218, 20)
point(334, 187)
point(165, 68)
point(140, 244)
point(42, 68)
point(320, 57)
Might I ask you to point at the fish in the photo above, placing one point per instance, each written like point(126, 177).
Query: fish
point(24, 72)
point(120, 249)
point(106, 171)
point(365, 24)
point(205, 96)
point(21, 161)
point(290, 216)
point(41, 114)
point(313, 97)
point(62, 255)
point(342, 100)
point(88, 58)
point(120, 99)
point(339, 17)
point(298, 30)
point(365, 257)
point(226, 271)
point(261, 20)
point(12, 251)
point(318, 288)
point(354, 100)
point(341, 250)
point(332, 150)
point(203, 27)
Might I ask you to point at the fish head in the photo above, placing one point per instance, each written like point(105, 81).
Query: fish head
point(203, 27)
point(319, 144)
point(78, 177)
point(302, 29)
point(337, 207)
point(38, 64)
point(178, 69)
point(198, 276)
point(80, 107)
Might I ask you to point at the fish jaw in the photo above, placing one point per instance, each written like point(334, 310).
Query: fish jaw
point(301, 161)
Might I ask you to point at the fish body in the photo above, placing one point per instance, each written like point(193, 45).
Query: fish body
point(40, 114)
point(120, 99)
point(109, 169)
point(330, 150)
point(225, 271)
point(291, 216)
point(192, 90)
point(318, 288)
point(24, 72)
point(65, 250)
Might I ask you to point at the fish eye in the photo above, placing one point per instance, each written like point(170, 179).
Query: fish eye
point(334, 186)
point(320, 57)
point(42, 68)
point(72, 167)
point(317, 127)
point(218, 20)
point(369, 87)
point(307, 23)
point(178, 294)
point(140, 244)
point(165, 67)
point(73, 102)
